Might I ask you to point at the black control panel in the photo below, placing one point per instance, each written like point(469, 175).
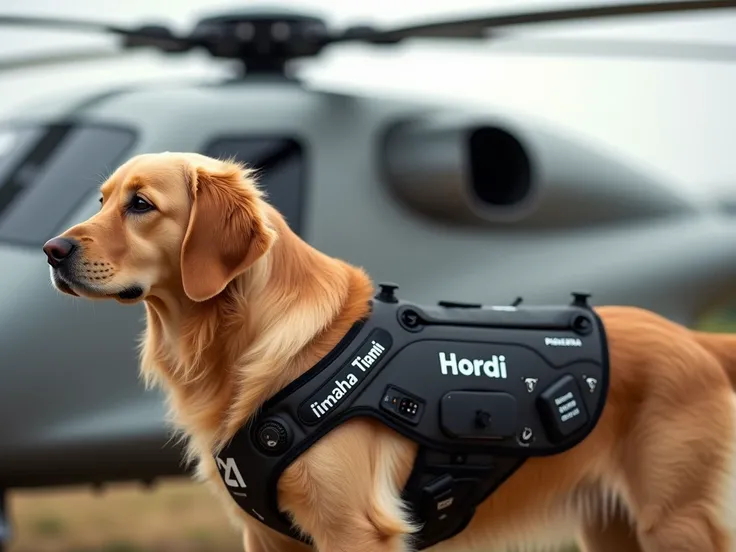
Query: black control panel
point(500, 394)
point(479, 414)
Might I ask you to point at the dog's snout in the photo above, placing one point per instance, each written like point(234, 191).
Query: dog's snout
point(58, 249)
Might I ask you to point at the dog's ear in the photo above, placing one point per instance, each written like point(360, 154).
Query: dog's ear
point(227, 231)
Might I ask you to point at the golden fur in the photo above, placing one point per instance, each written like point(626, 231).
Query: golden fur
point(238, 306)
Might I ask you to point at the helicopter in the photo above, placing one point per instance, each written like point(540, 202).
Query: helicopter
point(454, 203)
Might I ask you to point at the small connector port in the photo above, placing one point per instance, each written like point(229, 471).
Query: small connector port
point(401, 404)
point(408, 407)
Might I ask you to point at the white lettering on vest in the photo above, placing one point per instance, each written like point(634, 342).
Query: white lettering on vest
point(495, 367)
point(231, 475)
point(362, 363)
point(563, 342)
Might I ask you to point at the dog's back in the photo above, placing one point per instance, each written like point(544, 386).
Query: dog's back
point(723, 347)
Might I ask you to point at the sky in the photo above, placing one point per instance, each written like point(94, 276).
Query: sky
point(675, 118)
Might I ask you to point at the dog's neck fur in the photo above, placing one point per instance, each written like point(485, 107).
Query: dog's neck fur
point(221, 359)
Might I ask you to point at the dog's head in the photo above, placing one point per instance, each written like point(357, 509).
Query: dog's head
point(167, 222)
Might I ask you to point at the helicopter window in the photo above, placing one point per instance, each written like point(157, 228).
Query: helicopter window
point(45, 172)
point(280, 165)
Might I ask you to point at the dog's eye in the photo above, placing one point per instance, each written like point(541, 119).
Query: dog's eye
point(139, 205)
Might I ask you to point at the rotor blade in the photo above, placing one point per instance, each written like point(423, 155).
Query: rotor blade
point(61, 24)
point(635, 49)
point(60, 58)
point(156, 36)
point(478, 27)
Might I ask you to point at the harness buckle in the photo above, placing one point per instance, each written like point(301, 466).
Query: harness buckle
point(438, 498)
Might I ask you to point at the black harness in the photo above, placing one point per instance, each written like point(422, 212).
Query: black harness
point(480, 389)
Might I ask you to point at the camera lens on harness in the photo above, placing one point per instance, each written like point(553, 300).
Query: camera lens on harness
point(410, 320)
point(482, 419)
point(273, 436)
point(582, 324)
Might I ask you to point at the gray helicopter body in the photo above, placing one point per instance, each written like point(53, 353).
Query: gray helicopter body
point(74, 408)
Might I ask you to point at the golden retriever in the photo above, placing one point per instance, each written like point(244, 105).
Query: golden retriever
point(238, 306)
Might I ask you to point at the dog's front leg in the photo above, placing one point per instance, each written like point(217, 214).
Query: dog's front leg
point(257, 539)
point(337, 525)
point(260, 539)
point(345, 491)
point(614, 535)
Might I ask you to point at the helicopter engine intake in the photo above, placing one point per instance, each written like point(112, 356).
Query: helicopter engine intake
point(477, 170)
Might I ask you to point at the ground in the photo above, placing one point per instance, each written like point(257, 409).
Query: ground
point(174, 516)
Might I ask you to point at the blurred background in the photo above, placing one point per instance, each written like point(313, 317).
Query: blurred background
point(593, 154)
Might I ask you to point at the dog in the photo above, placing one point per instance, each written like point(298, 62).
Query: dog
point(237, 306)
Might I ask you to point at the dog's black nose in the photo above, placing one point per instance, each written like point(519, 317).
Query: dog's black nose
point(58, 249)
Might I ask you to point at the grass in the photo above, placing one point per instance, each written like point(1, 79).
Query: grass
point(176, 516)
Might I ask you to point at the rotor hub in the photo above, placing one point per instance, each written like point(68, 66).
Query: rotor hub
point(264, 40)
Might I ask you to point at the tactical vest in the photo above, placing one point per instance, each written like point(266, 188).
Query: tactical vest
point(480, 389)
